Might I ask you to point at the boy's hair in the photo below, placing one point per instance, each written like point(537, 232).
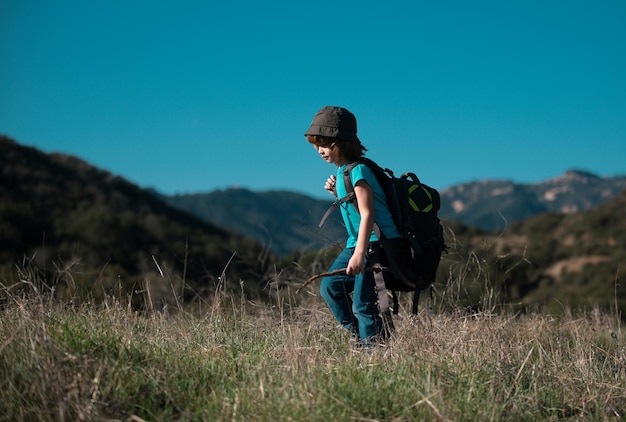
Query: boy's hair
point(348, 150)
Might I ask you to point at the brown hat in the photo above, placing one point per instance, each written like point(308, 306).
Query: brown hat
point(334, 122)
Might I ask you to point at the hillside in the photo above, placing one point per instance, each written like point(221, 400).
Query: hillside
point(584, 251)
point(549, 261)
point(88, 232)
point(59, 213)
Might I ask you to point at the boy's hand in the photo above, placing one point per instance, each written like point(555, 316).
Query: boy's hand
point(330, 185)
point(356, 265)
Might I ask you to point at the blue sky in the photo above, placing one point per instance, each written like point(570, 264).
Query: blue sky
point(193, 96)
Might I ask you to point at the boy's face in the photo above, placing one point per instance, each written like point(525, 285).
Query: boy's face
point(330, 154)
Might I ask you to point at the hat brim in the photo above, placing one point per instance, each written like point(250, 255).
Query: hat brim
point(332, 132)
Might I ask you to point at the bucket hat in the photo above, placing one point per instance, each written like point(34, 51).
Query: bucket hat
point(334, 122)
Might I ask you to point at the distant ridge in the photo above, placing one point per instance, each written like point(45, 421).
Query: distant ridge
point(491, 204)
point(285, 221)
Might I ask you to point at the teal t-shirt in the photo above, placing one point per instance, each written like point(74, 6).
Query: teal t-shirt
point(350, 215)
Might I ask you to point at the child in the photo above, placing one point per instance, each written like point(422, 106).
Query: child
point(333, 133)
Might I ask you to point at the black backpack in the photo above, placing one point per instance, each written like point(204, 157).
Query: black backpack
point(410, 262)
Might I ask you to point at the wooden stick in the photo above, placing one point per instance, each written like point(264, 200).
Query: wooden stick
point(316, 276)
point(335, 272)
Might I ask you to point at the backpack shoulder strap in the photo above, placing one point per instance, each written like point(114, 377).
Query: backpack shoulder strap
point(375, 168)
point(347, 181)
point(350, 195)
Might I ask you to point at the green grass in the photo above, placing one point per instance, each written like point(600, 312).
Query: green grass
point(239, 361)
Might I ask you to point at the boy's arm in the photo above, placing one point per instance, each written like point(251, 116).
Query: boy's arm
point(365, 200)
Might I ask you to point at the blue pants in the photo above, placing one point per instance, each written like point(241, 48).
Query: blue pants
point(357, 313)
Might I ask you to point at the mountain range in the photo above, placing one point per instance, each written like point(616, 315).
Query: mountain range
point(88, 233)
point(286, 221)
point(493, 204)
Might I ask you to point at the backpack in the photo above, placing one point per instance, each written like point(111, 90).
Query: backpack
point(408, 263)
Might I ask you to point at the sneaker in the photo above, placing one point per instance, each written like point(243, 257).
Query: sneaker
point(367, 345)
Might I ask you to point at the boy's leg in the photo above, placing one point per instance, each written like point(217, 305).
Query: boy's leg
point(336, 291)
point(364, 306)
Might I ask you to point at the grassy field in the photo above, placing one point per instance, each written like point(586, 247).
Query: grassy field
point(230, 359)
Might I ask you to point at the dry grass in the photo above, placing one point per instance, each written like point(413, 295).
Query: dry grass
point(226, 358)
point(240, 361)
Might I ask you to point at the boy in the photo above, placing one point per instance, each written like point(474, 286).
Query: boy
point(333, 133)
